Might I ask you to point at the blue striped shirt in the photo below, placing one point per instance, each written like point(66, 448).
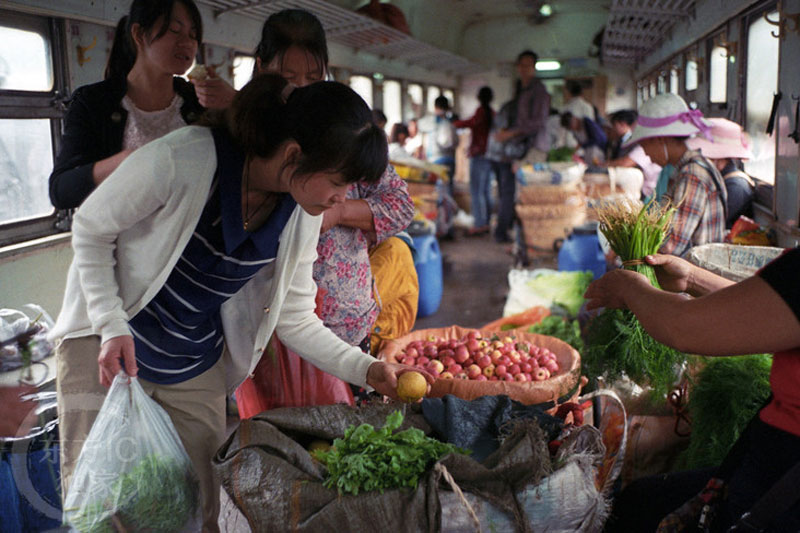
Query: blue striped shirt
point(178, 335)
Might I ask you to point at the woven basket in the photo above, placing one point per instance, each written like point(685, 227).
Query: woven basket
point(549, 194)
point(542, 232)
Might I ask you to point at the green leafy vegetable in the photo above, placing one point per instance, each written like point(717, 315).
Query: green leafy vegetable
point(562, 328)
point(616, 341)
point(368, 459)
point(726, 394)
point(156, 495)
point(563, 289)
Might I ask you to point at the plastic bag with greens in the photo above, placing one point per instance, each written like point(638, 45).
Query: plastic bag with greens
point(133, 473)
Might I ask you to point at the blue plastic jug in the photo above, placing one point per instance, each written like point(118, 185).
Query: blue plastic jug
point(581, 251)
point(428, 264)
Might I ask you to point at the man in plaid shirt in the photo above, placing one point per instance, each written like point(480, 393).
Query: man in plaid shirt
point(699, 193)
point(696, 189)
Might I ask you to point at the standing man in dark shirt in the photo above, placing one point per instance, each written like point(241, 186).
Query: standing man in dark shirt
point(520, 125)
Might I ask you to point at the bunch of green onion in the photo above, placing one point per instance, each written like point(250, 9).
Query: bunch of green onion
point(634, 231)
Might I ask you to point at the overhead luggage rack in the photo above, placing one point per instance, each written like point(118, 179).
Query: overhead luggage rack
point(348, 28)
point(636, 27)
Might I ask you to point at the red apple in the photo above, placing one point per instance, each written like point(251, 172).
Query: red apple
point(500, 370)
point(526, 367)
point(461, 375)
point(474, 335)
point(473, 371)
point(447, 361)
point(422, 360)
point(447, 352)
point(520, 377)
point(472, 345)
point(494, 378)
point(484, 361)
point(411, 351)
point(455, 369)
point(488, 371)
point(552, 366)
point(435, 365)
point(506, 360)
point(514, 369)
point(461, 353)
point(445, 375)
point(508, 377)
point(481, 378)
point(430, 351)
point(410, 361)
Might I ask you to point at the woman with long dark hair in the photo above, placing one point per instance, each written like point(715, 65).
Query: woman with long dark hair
point(480, 168)
point(141, 98)
point(197, 248)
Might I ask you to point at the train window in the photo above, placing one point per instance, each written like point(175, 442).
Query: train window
point(29, 117)
point(674, 80)
point(718, 75)
point(691, 74)
point(760, 84)
point(25, 63)
point(363, 86)
point(433, 94)
point(242, 70)
point(662, 83)
point(414, 92)
point(392, 103)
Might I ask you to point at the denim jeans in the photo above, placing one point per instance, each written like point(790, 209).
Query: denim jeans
point(450, 163)
point(480, 189)
point(506, 190)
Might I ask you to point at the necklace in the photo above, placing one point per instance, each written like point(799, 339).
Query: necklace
point(248, 216)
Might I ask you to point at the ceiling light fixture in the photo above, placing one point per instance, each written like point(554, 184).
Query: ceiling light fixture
point(546, 65)
point(546, 10)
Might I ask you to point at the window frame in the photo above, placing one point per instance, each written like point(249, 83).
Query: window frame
point(19, 104)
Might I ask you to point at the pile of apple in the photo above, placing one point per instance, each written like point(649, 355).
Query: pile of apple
point(481, 358)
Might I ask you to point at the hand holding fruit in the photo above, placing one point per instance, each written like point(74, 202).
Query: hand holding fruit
point(383, 377)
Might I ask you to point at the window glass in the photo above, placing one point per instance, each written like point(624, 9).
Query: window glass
point(392, 104)
point(26, 161)
point(450, 97)
point(674, 81)
point(25, 63)
point(691, 75)
point(718, 79)
point(761, 85)
point(414, 92)
point(363, 86)
point(242, 70)
point(433, 94)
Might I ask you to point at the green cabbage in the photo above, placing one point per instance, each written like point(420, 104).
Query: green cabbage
point(562, 289)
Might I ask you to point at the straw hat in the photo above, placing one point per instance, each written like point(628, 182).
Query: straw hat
point(728, 140)
point(667, 115)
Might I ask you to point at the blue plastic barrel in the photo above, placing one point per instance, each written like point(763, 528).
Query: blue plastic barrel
point(428, 263)
point(581, 251)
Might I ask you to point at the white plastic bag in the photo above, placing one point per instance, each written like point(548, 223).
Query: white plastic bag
point(133, 473)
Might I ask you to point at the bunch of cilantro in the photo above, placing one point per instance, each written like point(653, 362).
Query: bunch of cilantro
point(369, 459)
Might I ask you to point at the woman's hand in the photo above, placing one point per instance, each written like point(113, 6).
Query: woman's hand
point(214, 92)
point(674, 274)
point(611, 290)
point(389, 350)
point(112, 351)
point(382, 377)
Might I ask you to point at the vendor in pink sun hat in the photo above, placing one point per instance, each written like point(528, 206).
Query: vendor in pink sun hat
point(727, 148)
point(693, 183)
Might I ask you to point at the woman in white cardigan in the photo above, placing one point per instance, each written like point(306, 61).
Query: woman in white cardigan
point(197, 248)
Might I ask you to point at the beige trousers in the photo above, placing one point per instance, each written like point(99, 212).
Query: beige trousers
point(196, 408)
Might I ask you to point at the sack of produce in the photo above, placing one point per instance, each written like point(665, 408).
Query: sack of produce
point(270, 469)
point(732, 261)
point(133, 473)
point(530, 368)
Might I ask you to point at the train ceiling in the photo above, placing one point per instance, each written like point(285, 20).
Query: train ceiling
point(348, 28)
point(636, 27)
point(629, 29)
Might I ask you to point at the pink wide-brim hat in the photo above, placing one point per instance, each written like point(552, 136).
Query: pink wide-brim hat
point(667, 115)
point(728, 140)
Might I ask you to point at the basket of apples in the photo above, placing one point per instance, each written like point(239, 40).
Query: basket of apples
point(469, 363)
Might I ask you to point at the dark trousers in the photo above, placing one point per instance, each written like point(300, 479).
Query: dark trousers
point(506, 191)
